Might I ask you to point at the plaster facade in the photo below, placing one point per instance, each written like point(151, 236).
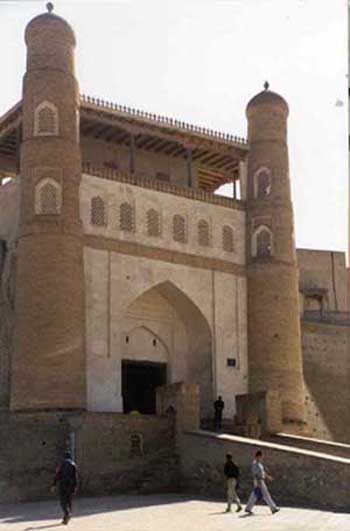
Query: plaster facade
point(198, 319)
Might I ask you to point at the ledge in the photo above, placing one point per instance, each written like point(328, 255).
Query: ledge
point(267, 445)
point(159, 186)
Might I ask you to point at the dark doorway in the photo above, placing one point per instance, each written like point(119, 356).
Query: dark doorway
point(139, 382)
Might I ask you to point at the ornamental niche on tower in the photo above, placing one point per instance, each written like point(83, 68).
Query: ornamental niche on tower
point(49, 353)
point(274, 341)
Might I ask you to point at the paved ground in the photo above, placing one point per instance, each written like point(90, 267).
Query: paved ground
point(163, 513)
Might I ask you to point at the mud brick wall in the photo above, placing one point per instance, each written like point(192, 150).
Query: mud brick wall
point(115, 453)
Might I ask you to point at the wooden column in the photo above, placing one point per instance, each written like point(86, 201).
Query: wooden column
point(189, 167)
point(132, 154)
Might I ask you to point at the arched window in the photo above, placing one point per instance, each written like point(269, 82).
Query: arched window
point(262, 183)
point(179, 229)
point(203, 233)
point(48, 197)
point(98, 212)
point(126, 217)
point(227, 239)
point(153, 223)
point(46, 119)
point(262, 242)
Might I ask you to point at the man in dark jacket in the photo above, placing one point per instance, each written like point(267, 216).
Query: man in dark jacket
point(66, 479)
point(219, 405)
point(231, 472)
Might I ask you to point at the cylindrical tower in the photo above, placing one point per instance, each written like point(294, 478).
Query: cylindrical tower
point(274, 338)
point(48, 365)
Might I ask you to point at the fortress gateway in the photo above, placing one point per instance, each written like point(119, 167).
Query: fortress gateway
point(122, 271)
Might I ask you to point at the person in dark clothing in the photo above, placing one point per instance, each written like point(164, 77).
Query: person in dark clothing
point(67, 480)
point(219, 405)
point(231, 472)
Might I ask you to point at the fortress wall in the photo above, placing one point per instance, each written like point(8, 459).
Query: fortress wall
point(301, 477)
point(326, 359)
point(325, 270)
point(31, 445)
point(9, 208)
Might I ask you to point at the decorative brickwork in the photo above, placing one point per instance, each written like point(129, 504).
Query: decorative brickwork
point(126, 217)
point(274, 346)
point(98, 212)
point(227, 239)
point(203, 233)
point(153, 223)
point(179, 229)
point(46, 119)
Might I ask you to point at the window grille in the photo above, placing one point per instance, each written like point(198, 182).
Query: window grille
point(179, 229)
point(203, 233)
point(98, 212)
point(153, 223)
point(227, 239)
point(46, 119)
point(47, 197)
point(126, 217)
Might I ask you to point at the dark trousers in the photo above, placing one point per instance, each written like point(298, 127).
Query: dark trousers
point(66, 495)
point(217, 421)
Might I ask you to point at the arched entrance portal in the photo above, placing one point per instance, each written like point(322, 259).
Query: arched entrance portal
point(166, 340)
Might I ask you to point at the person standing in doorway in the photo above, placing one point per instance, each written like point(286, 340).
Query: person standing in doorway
point(260, 489)
point(231, 472)
point(67, 481)
point(219, 405)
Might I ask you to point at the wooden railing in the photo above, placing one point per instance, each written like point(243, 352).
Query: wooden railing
point(164, 120)
point(161, 186)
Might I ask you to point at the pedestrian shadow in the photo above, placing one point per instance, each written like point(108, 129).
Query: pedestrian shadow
point(28, 512)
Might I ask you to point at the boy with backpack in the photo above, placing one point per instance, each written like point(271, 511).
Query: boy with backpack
point(231, 472)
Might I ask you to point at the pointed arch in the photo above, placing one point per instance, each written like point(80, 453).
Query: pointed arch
point(141, 340)
point(189, 335)
point(262, 183)
point(262, 242)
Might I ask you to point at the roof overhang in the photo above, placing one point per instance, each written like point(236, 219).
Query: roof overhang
point(217, 155)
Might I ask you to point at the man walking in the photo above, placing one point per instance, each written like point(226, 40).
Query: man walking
point(219, 405)
point(231, 472)
point(66, 478)
point(260, 488)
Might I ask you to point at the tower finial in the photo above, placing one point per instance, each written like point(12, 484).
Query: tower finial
point(266, 85)
point(49, 7)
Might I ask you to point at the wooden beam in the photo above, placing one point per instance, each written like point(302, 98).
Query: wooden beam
point(161, 146)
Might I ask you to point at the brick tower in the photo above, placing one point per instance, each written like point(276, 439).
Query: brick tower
point(274, 339)
point(48, 366)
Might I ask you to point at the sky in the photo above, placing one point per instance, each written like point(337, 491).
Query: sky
point(201, 61)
